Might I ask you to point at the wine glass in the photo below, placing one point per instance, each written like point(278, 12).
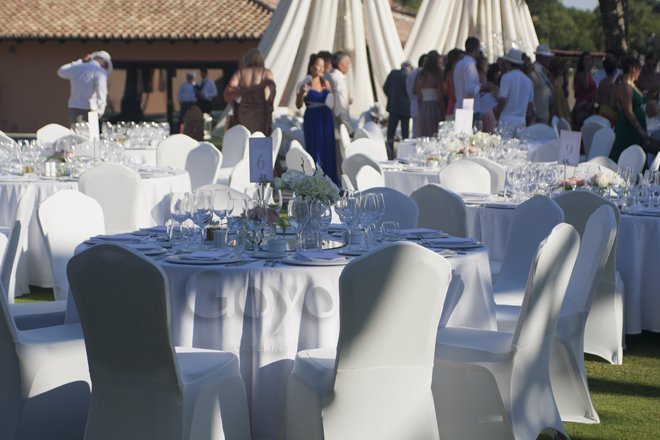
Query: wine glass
point(202, 212)
point(179, 210)
point(220, 197)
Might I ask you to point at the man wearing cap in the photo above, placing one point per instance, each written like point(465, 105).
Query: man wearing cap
point(398, 104)
point(543, 94)
point(515, 101)
point(186, 96)
point(88, 78)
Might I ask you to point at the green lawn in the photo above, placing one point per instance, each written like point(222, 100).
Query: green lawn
point(627, 397)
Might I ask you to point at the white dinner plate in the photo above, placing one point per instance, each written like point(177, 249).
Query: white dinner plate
point(268, 254)
point(294, 260)
point(450, 245)
point(351, 252)
point(181, 259)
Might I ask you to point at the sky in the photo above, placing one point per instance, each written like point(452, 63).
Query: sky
point(588, 5)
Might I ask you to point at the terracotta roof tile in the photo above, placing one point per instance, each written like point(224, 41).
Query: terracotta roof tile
point(133, 19)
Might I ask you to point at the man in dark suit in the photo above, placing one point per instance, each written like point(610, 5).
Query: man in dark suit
point(398, 104)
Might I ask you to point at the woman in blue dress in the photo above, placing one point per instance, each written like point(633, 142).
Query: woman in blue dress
point(318, 124)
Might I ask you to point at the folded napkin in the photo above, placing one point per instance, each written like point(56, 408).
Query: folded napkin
point(417, 233)
point(320, 255)
point(204, 256)
point(121, 238)
point(448, 241)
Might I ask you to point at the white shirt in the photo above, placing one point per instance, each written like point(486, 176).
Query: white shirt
point(466, 80)
point(340, 91)
point(410, 84)
point(187, 92)
point(518, 90)
point(89, 85)
point(207, 89)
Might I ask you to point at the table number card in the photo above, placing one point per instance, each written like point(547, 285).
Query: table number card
point(569, 147)
point(93, 123)
point(468, 104)
point(463, 121)
point(261, 159)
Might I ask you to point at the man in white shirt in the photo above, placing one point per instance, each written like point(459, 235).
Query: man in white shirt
point(337, 79)
point(515, 103)
point(466, 76)
point(543, 97)
point(410, 83)
point(88, 78)
point(186, 96)
point(205, 91)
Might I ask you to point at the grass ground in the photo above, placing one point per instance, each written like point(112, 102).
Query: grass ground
point(627, 397)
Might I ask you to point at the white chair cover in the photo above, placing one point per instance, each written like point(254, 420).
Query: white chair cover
point(497, 173)
point(17, 241)
point(370, 147)
point(398, 207)
point(442, 209)
point(5, 139)
point(547, 152)
point(359, 394)
point(633, 157)
point(532, 222)
point(173, 151)
point(567, 374)
point(496, 385)
point(601, 144)
point(346, 183)
point(118, 189)
point(3, 247)
point(588, 130)
point(563, 124)
point(234, 145)
point(368, 177)
point(352, 164)
point(143, 387)
point(276, 137)
point(603, 335)
point(465, 176)
point(345, 140)
point(67, 218)
point(240, 177)
point(49, 133)
point(203, 164)
point(655, 165)
point(604, 161)
point(44, 380)
point(300, 160)
point(538, 132)
point(597, 119)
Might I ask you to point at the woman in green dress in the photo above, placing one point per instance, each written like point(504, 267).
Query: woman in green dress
point(630, 126)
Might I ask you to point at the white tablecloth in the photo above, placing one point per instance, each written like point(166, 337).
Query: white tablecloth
point(266, 315)
point(34, 267)
point(409, 181)
point(637, 255)
point(140, 156)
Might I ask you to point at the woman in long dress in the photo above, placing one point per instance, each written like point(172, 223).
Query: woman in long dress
point(631, 123)
point(429, 89)
point(318, 125)
point(254, 85)
point(585, 91)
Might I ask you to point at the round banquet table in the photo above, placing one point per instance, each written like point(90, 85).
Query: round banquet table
point(33, 266)
point(266, 315)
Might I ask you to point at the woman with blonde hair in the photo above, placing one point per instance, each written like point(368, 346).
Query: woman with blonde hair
point(252, 90)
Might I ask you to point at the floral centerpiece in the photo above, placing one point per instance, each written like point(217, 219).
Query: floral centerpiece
point(317, 187)
point(571, 183)
point(606, 180)
point(60, 156)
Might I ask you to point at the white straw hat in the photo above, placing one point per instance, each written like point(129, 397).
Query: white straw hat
point(514, 56)
point(544, 51)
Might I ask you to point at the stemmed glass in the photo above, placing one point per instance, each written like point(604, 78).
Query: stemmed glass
point(220, 197)
point(235, 209)
point(370, 211)
point(348, 210)
point(202, 212)
point(180, 208)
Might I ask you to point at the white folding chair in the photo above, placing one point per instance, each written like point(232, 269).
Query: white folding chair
point(567, 374)
point(369, 147)
point(539, 132)
point(588, 130)
point(173, 151)
point(346, 183)
point(368, 177)
point(345, 140)
point(49, 133)
point(398, 207)
point(240, 177)
point(496, 385)
point(352, 164)
point(604, 161)
point(17, 242)
point(143, 386)
point(276, 137)
point(603, 335)
point(67, 218)
point(442, 209)
point(547, 152)
point(356, 390)
point(563, 124)
point(203, 164)
point(234, 145)
point(118, 189)
point(602, 142)
point(532, 222)
point(497, 173)
point(300, 160)
point(44, 380)
point(554, 122)
point(633, 157)
point(465, 176)
point(655, 165)
point(598, 119)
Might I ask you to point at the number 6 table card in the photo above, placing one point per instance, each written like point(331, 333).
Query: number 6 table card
point(261, 159)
